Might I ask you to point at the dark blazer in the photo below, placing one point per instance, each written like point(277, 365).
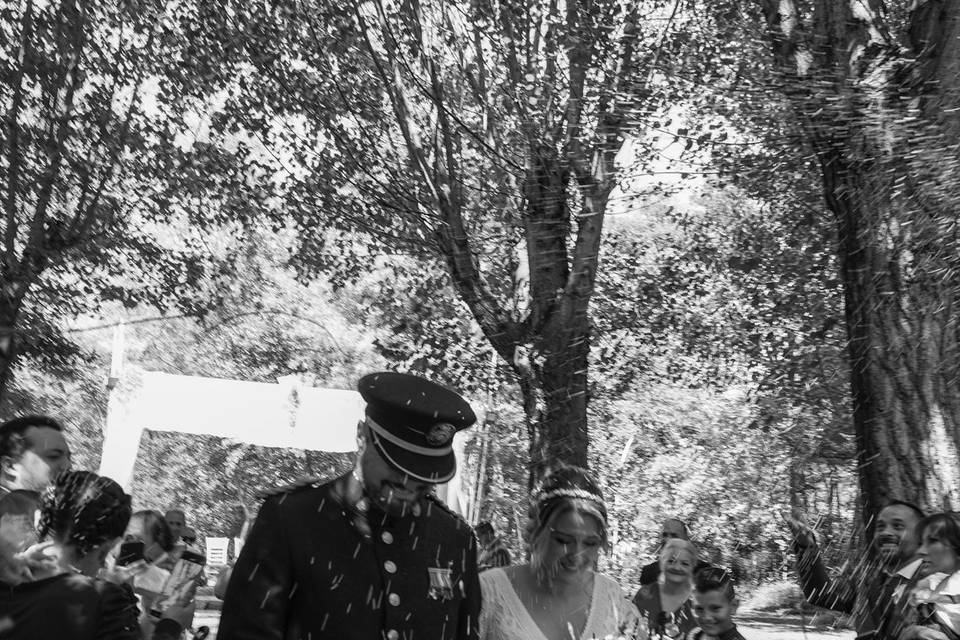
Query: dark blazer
point(306, 572)
point(68, 606)
point(878, 602)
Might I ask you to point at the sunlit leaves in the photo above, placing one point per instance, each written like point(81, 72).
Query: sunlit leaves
point(110, 177)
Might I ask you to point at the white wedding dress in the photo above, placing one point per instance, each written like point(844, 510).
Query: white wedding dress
point(503, 616)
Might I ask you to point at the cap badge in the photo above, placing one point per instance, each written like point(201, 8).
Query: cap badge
point(440, 433)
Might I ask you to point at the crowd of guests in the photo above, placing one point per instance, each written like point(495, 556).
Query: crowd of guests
point(558, 593)
point(906, 587)
point(77, 562)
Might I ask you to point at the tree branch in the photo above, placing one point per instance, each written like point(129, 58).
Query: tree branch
point(84, 168)
point(393, 86)
point(452, 237)
point(34, 254)
point(84, 219)
point(578, 58)
point(15, 159)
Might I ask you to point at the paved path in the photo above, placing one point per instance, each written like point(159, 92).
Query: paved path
point(774, 627)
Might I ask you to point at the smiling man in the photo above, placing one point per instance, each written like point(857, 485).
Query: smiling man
point(33, 451)
point(871, 590)
point(372, 554)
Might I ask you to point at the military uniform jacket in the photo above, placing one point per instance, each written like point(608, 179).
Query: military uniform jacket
point(306, 572)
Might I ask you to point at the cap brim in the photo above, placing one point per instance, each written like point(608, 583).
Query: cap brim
point(432, 469)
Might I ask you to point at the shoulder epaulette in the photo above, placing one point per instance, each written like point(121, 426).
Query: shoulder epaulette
point(303, 483)
point(437, 502)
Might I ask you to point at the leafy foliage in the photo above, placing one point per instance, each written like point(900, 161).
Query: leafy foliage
point(327, 189)
point(208, 477)
point(108, 192)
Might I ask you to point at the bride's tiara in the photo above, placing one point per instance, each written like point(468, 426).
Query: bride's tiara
point(583, 494)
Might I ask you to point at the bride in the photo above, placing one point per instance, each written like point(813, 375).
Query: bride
point(558, 594)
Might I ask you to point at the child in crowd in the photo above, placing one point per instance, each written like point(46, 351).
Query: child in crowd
point(715, 604)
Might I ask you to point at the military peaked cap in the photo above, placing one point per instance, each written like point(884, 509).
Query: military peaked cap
point(412, 422)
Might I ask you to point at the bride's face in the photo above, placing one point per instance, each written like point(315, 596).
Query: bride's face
point(573, 543)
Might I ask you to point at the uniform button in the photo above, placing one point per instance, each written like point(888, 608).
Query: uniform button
point(389, 566)
point(386, 536)
point(393, 634)
point(393, 599)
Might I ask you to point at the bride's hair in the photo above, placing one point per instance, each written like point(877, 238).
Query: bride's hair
point(564, 488)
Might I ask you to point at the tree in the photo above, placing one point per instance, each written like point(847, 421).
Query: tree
point(715, 294)
point(873, 89)
point(104, 181)
point(482, 134)
point(265, 324)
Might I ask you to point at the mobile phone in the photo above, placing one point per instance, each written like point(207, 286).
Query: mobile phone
point(130, 552)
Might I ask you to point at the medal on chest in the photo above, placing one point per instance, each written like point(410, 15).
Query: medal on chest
point(441, 583)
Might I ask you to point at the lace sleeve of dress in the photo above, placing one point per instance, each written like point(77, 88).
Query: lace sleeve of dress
point(631, 622)
point(118, 613)
point(502, 616)
point(614, 614)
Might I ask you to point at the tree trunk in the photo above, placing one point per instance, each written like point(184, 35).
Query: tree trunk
point(559, 426)
point(901, 327)
point(556, 385)
point(546, 345)
point(9, 314)
point(876, 120)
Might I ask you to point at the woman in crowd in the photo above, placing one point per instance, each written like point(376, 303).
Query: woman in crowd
point(82, 517)
point(934, 607)
point(150, 528)
point(666, 603)
point(558, 594)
